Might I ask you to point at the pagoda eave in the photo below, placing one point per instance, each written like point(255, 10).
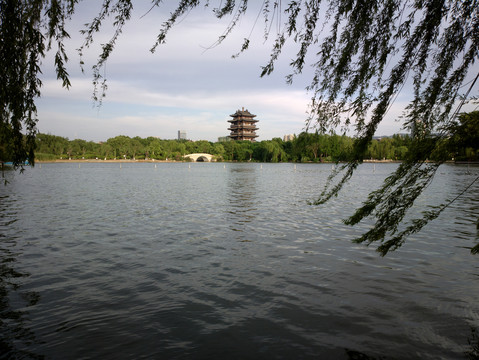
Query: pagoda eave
point(238, 120)
point(248, 115)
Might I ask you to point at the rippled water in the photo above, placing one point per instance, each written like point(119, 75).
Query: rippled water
point(226, 261)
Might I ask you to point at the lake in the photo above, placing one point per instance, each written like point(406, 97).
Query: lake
point(227, 260)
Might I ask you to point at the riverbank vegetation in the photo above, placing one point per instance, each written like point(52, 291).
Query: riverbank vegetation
point(462, 144)
point(306, 147)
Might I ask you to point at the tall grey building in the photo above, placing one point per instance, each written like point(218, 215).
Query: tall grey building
point(181, 135)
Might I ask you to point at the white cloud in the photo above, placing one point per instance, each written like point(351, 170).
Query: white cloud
point(136, 111)
point(180, 86)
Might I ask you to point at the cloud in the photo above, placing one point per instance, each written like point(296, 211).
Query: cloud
point(138, 111)
point(180, 86)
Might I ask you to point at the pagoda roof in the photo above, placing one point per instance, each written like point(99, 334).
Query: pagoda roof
point(242, 112)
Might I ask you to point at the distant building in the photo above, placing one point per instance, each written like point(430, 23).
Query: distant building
point(380, 137)
point(181, 135)
point(288, 137)
point(224, 138)
point(243, 126)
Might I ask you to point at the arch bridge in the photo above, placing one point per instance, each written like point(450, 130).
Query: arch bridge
point(200, 157)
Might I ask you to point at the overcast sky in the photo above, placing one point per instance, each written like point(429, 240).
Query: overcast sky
point(182, 86)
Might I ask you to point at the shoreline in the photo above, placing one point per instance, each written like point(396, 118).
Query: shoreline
point(367, 161)
point(175, 161)
point(103, 161)
point(5, 165)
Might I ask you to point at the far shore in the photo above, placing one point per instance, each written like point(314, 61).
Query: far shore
point(119, 161)
point(103, 161)
point(175, 161)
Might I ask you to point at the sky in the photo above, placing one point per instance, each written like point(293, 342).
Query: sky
point(185, 85)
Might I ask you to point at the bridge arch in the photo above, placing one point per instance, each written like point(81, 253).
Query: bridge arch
point(200, 157)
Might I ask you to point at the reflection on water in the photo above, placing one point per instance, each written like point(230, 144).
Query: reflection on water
point(241, 194)
point(472, 352)
point(226, 261)
point(15, 336)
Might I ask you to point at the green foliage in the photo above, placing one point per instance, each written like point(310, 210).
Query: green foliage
point(464, 140)
point(394, 148)
point(28, 29)
point(389, 205)
point(270, 151)
point(6, 146)
point(305, 147)
point(51, 144)
point(45, 157)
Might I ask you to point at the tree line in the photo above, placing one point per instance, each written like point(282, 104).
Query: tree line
point(305, 147)
point(461, 145)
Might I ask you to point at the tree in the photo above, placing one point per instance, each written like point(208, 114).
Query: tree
point(314, 144)
point(269, 151)
point(6, 144)
point(22, 46)
point(120, 146)
point(365, 53)
point(136, 147)
point(464, 140)
point(155, 149)
point(243, 150)
point(51, 144)
point(230, 149)
point(300, 147)
point(203, 146)
point(218, 151)
point(105, 151)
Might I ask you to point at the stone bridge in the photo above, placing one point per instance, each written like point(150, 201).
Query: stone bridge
point(199, 157)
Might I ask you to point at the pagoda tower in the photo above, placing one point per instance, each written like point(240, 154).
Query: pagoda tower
point(243, 126)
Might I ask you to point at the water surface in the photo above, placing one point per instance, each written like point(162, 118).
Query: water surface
point(218, 260)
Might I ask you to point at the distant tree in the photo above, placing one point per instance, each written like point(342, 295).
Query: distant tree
point(155, 149)
point(120, 146)
point(230, 149)
point(243, 150)
point(400, 152)
point(106, 151)
point(203, 146)
point(301, 147)
point(288, 149)
point(364, 53)
point(268, 151)
point(181, 147)
point(314, 145)
point(346, 147)
point(78, 147)
point(464, 139)
point(51, 144)
point(136, 147)
point(218, 150)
